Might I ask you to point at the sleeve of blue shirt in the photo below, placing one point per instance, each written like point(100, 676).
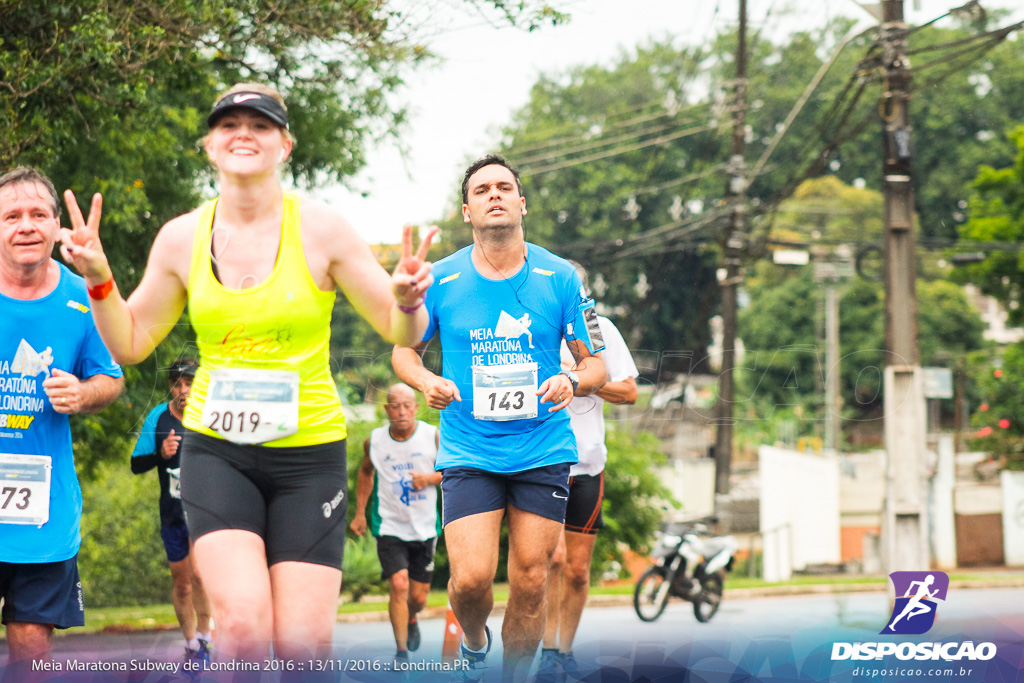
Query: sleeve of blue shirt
point(428, 301)
point(94, 359)
point(144, 455)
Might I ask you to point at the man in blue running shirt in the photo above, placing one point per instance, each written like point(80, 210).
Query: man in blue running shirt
point(158, 447)
point(501, 308)
point(52, 365)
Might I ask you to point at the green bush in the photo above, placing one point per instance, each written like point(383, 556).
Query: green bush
point(361, 570)
point(122, 560)
point(634, 496)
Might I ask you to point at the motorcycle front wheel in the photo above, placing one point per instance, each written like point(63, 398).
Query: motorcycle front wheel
point(651, 594)
point(706, 604)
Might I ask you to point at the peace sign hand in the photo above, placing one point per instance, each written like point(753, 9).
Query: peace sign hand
point(412, 275)
point(80, 245)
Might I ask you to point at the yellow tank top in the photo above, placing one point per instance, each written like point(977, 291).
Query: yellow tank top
point(281, 324)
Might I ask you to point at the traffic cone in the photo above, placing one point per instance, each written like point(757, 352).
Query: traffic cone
point(452, 636)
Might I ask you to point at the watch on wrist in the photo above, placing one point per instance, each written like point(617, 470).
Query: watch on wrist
point(573, 377)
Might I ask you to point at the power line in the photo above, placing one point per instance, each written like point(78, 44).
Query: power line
point(718, 168)
point(599, 142)
point(801, 101)
point(617, 151)
point(606, 121)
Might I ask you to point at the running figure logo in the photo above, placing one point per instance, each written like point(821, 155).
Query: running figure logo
point(403, 488)
point(30, 362)
point(916, 593)
point(513, 328)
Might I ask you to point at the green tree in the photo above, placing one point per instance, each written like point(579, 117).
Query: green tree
point(635, 497)
point(781, 328)
point(122, 560)
point(112, 96)
point(623, 165)
point(999, 419)
point(997, 215)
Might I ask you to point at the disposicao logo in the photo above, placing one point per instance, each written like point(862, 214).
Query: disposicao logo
point(914, 613)
point(916, 596)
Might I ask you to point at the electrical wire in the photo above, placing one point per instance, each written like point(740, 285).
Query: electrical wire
point(615, 152)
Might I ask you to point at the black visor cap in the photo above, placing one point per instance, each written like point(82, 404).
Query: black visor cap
point(182, 369)
point(254, 102)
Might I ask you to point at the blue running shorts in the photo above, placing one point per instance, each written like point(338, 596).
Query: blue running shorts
point(42, 593)
point(468, 491)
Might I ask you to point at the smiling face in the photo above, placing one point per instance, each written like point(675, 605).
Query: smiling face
point(493, 201)
point(247, 143)
point(29, 226)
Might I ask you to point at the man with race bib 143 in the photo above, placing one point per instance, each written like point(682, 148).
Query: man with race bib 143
point(158, 447)
point(403, 510)
point(52, 365)
point(501, 308)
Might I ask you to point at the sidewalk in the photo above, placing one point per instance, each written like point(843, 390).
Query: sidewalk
point(981, 578)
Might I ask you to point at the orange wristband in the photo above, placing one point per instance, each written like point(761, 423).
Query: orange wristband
point(100, 292)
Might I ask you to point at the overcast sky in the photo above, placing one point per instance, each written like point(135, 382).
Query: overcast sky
point(486, 74)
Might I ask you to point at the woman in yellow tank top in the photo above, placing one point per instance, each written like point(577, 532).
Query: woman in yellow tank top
point(263, 471)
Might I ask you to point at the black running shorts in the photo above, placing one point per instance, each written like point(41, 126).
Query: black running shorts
point(416, 556)
point(296, 499)
point(583, 513)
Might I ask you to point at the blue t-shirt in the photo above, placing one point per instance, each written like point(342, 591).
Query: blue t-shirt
point(56, 331)
point(484, 322)
point(146, 455)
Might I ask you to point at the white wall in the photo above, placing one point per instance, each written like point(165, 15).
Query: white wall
point(799, 493)
point(692, 482)
point(1013, 517)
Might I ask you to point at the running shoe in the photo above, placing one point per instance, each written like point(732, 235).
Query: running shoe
point(550, 668)
point(412, 640)
point(199, 658)
point(474, 670)
point(569, 666)
point(401, 658)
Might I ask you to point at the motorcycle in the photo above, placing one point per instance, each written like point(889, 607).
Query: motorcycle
point(690, 563)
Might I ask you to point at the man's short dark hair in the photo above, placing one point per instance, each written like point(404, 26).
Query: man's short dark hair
point(28, 175)
point(489, 160)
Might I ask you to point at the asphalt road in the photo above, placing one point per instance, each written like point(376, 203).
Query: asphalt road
point(780, 638)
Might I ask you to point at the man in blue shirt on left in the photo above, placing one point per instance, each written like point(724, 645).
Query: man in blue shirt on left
point(52, 365)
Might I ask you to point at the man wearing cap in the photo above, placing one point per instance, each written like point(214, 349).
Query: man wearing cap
point(158, 446)
point(52, 365)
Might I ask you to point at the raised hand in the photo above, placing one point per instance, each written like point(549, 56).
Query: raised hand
point(80, 245)
point(170, 446)
point(412, 277)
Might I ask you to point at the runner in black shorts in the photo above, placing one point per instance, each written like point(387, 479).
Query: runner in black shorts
point(397, 477)
point(583, 512)
point(263, 461)
point(569, 582)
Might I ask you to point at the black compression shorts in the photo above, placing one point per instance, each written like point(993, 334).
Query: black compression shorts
point(583, 513)
point(295, 499)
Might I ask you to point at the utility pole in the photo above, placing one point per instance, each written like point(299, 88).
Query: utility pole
point(833, 441)
point(733, 242)
point(905, 522)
